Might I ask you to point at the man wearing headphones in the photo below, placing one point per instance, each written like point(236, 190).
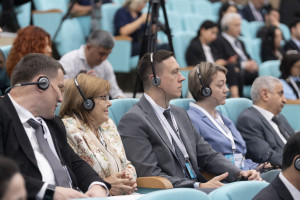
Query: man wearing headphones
point(287, 184)
point(159, 138)
point(31, 135)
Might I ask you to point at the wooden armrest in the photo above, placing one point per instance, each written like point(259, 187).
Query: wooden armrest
point(188, 68)
point(207, 175)
point(46, 11)
point(123, 37)
point(289, 101)
point(154, 182)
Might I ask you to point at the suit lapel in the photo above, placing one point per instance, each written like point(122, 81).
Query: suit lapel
point(205, 119)
point(281, 189)
point(153, 119)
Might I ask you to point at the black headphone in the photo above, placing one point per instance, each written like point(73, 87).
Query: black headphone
point(297, 164)
point(88, 104)
point(42, 83)
point(205, 90)
point(155, 80)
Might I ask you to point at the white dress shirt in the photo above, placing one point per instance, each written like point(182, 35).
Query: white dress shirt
point(256, 13)
point(268, 116)
point(207, 53)
point(291, 188)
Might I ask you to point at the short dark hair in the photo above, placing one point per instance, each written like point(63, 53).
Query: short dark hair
point(294, 23)
point(8, 168)
point(291, 149)
point(145, 68)
point(34, 64)
point(207, 24)
point(289, 59)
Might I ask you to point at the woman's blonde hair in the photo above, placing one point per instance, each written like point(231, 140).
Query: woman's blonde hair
point(72, 104)
point(133, 4)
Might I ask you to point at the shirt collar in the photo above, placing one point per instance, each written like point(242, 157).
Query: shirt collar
point(297, 42)
point(267, 114)
point(229, 38)
point(152, 102)
point(292, 189)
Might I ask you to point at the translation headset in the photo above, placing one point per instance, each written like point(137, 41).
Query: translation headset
point(297, 164)
point(155, 80)
point(88, 104)
point(205, 90)
point(42, 83)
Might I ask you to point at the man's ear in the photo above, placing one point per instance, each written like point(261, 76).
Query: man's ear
point(264, 94)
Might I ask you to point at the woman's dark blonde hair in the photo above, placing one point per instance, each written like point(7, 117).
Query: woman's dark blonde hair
point(207, 71)
point(72, 104)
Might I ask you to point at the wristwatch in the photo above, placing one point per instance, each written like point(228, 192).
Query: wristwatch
point(49, 192)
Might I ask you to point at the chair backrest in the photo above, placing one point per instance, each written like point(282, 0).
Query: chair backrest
point(292, 114)
point(108, 14)
point(245, 28)
point(192, 22)
point(53, 4)
point(5, 50)
point(175, 21)
point(233, 107)
point(181, 41)
point(245, 190)
point(204, 8)
point(119, 107)
point(254, 27)
point(23, 13)
point(269, 68)
point(180, 6)
point(256, 49)
point(183, 103)
point(285, 31)
point(176, 194)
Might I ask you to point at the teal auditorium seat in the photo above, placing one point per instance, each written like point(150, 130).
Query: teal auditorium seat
point(176, 194)
point(175, 21)
point(245, 29)
point(44, 5)
point(192, 22)
point(204, 8)
point(292, 114)
point(119, 107)
point(254, 27)
point(23, 13)
point(269, 68)
point(181, 41)
point(5, 50)
point(244, 190)
point(285, 31)
point(256, 49)
point(108, 13)
point(180, 6)
point(182, 102)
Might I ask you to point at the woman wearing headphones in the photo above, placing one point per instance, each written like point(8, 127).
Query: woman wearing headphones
point(207, 84)
point(93, 135)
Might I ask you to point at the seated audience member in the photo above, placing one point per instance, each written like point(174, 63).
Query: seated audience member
point(286, 185)
point(93, 135)
point(254, 10)
point(159, 138)
point(4, 80)
point(130, 21)
point(272, 18)
point(31, 39)
point(262, 126)
point(290, 74)
point(84, 7)
point(36, 140)
point(294, 42)
point(270, 45)
point(12, 184)
point(233, 50)
point(92, 59)
point(227, 7)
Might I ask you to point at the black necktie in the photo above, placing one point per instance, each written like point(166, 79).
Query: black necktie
point(61, 176)
point(276, 120)
point(178, 152)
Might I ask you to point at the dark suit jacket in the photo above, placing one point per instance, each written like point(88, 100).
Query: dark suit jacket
point(261, 137)
point(290, 45)
point(15, 144)
point(148, 147)
point(247, 14)
point(276, 190)
point(195, 53)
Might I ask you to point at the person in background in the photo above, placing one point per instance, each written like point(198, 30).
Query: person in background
point(294, 42)
point(31, 39)
point(272, 18)
point(93, 135)
point(254, 10)
point(12, 184)
point(84, 7)
point(290, 74)
point(227, 7)
point(270, 45)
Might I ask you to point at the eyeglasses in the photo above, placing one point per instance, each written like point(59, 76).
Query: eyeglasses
point(102, 97)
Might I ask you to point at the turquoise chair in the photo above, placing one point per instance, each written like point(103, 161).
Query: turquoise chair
point(254, 27)
point(192, 22)
point(183, 103)
point(175, 21)
point(244, 190)
point(256, 49)
point(119, 107)
point(85, 24)
point(53, 4)
point(180, 6)
point(204, 8)
point(292, 114)
point(5, 50)
point(269, 68)
point(245, 28)
point(108, 14)
point(285, 31)
point(176, 194)
point(216, 8)
point(181, 41)
point(233, 107)
point(23, 13)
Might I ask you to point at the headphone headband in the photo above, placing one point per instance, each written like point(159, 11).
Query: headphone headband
point(42, 83)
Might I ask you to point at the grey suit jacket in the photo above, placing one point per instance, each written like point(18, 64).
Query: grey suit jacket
point(147, 146)
point(261, 137)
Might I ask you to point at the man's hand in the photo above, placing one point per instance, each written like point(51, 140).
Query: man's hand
point(62, 193)
point(96, 191)
point(91, 73)
point(251, 66)
point(251, 175)
point(214, 182)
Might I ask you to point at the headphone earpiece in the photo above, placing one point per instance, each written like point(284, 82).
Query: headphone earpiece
point(88, 104)
point(155, 81)
point(205, 90)
point(43, 83)
point(297, 164)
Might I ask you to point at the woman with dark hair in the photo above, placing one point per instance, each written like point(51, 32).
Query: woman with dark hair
point(227, 7)
point(12, 184)
point(30, 39)
point(270, 45)
point(290, 74)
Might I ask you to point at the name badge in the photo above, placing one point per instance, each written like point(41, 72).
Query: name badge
point(190, 170)
point(237, 159)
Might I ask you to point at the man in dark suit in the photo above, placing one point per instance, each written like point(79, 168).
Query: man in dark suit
point(233, 50)
point(253, 11)
point(294, 42)
point(31, 135)
point(262, 127)
point(286, 185)
point(160, 140)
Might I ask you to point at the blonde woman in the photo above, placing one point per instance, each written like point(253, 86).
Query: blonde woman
point(93, 135)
